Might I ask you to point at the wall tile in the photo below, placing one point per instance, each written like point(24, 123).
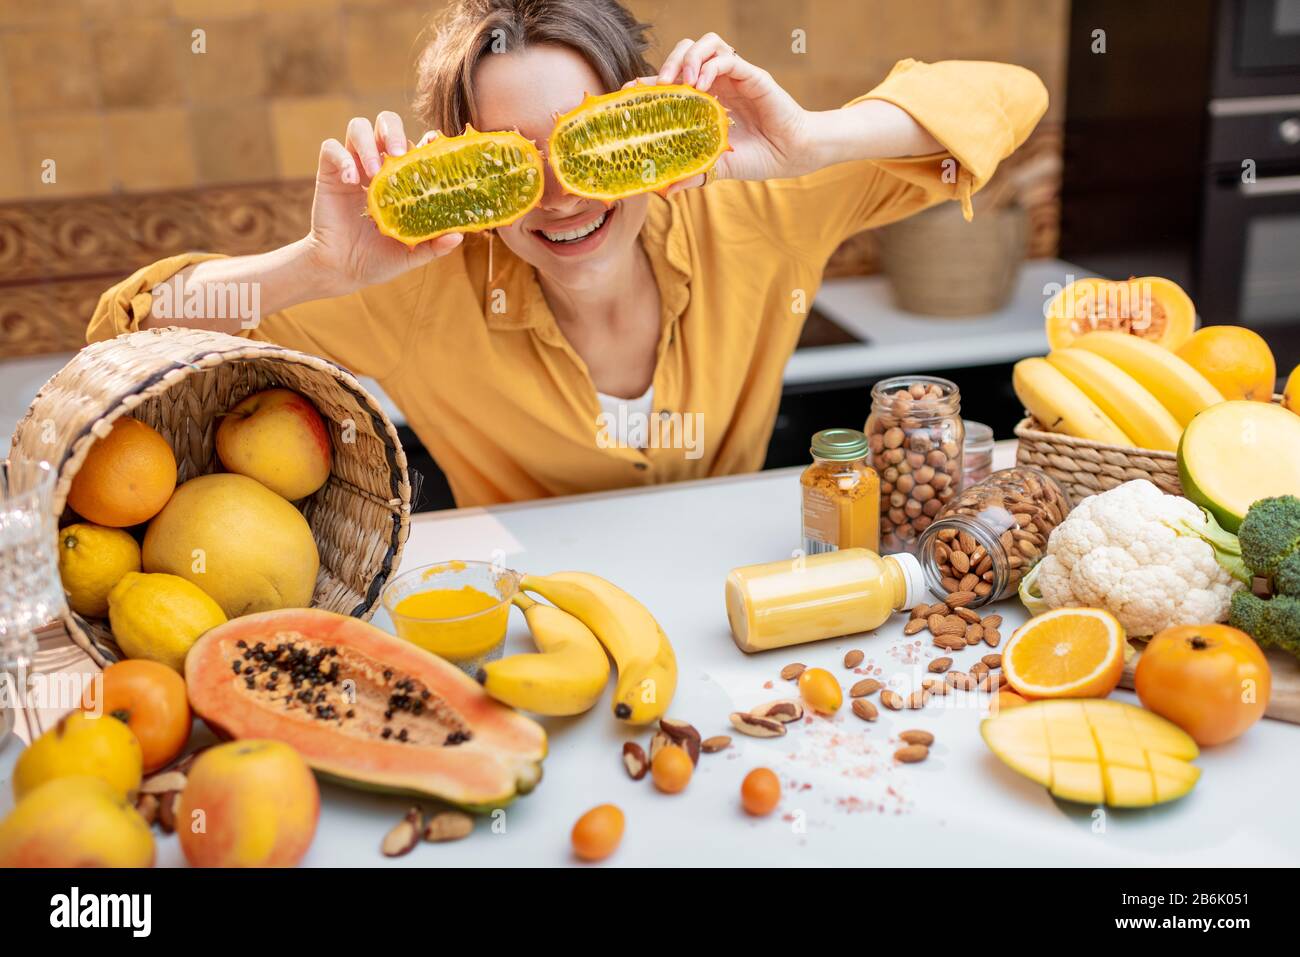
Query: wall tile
point(232, 68)
point(303, 53)
point(380, 49)
point(76, 143)
point(150, 149)
point(138, 62)
point(233, 143)
point(49, 69)
point(298, 126)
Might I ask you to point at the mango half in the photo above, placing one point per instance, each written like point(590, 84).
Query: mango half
point(1095, 751)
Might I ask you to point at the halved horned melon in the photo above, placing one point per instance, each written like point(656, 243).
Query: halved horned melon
point(637, 140)
point(1148, 307)
point(456, 184)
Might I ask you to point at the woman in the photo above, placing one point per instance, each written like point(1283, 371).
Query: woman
point(672, 315)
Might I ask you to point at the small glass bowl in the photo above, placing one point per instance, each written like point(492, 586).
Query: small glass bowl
point(467, 641)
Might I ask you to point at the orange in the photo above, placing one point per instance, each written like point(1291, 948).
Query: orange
point(1210, 680)
point(127, 478)
point(1291, 394)
point(1237, 361)
point(760, 792)
point(598, 832)
point(1067, 653)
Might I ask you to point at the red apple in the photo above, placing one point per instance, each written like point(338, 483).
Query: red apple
point(278, 438)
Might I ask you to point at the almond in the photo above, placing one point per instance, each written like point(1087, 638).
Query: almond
point(968, 582)
point(960, 598)
point(719, 742)
point(960, 680)
point(917, 699)
point(912, 753)
point(792, 671)
point(914, 625)
point(916, 736)
point(891, 700)
point(967, 615)
point(993, 661)
point(635, 760)
point(991, 637)
point(935, 622)
point(989, 682)
point(865, 687)
point(979, 669)
point(755, 726)
point(992, 621)
point(785, 710)
point(853, 659)
point(448, 826)
point(864, 709)
point(973, 634)
point(960, 562)
point(935, 685)
point(920, 611)
point(950, 625)
point(940, 665)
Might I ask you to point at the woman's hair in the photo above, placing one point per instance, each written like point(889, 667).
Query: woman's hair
point(602, 31)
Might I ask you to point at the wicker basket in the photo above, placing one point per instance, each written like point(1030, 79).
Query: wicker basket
point(179, 381)
point(1083, 467)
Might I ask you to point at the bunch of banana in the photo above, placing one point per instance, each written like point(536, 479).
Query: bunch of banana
point(567, 675)
point(1114, 388)
point(647, 667)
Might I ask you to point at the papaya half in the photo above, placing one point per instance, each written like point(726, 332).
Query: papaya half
point(1148, 307)
point(363, 708)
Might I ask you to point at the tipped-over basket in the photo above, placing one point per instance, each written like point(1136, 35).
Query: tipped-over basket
point(1083, 467)
point(180, 381)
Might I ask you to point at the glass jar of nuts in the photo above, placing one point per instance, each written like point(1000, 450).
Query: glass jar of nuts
point(915, 434)
point(986, 539)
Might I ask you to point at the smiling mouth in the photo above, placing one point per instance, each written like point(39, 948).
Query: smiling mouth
point(565, 237)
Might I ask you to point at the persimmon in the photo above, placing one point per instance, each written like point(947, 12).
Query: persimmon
point(150, 699)
point(1210, 680)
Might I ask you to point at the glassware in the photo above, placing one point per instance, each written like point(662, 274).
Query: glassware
point(804, 599)
point(841, 494)
point(31, 592)
point(916, 436)
point(977, 453)
point(458, 610)
point(990, 535)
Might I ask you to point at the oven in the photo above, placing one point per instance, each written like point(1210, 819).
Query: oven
point(1249, 259)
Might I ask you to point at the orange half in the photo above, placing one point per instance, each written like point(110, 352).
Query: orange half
point(1067, 653)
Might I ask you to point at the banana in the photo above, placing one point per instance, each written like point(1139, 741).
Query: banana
point(1132, 407)
point(647, 667)
point(1179, 387)
point(569, 674)
point(1061, 406)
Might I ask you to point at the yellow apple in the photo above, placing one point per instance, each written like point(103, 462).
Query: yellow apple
point(278, 438)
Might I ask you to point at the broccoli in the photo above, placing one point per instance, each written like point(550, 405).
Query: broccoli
point(1273, 622)
point(1270, 533)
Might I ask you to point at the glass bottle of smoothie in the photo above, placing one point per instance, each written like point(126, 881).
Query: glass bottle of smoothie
point(841, 494)
point(808, 598)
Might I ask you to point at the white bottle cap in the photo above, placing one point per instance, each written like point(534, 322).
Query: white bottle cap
point(914, 576)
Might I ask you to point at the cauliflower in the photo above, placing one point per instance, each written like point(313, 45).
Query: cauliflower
point(1150, 559)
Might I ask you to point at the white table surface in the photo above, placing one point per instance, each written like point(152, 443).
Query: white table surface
point(845, 801)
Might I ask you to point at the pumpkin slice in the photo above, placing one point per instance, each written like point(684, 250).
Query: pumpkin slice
point(1148, 307)
point(363, 707)
point(456, 184)
point(637, 140)
point(1236, 452)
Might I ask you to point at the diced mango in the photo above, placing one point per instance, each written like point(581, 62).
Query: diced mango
point(1095, 750)
point(1128, 787)
point(1078, 781)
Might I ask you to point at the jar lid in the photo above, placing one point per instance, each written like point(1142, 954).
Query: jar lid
point(978, 435)
point(839, 445)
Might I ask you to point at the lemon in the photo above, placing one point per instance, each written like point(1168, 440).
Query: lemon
point(92, 559)
point(160, 616)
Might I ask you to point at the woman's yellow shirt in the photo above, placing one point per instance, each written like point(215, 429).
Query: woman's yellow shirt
point(505, 405)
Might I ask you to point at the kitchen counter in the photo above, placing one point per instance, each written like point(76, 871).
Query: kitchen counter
point(845, 801)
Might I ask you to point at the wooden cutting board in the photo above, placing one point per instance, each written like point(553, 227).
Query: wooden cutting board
point(1283, 701)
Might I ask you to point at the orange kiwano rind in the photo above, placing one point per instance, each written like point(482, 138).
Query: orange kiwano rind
point(456, 184)
point(1066, 653)
point(639, 140)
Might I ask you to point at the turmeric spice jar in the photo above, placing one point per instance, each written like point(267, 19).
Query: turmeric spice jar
point(841, 494)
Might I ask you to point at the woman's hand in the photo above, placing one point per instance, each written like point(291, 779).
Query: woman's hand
point(769, 137)
point(346, 249)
